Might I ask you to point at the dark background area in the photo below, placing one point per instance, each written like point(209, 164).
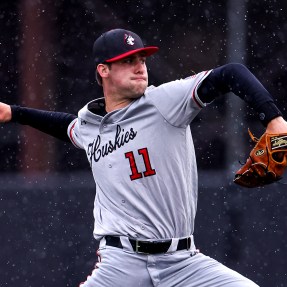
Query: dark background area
point(46, 189)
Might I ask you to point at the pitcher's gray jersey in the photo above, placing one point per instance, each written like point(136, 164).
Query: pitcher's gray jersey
point(154, 196)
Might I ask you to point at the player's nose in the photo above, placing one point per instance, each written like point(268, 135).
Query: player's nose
point(140, 66)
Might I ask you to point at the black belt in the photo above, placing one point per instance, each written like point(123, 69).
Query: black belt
point(149, 247)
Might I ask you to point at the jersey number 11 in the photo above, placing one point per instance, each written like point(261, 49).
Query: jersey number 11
point(135, 173)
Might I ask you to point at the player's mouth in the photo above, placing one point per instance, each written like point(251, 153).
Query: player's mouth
point(139, 79)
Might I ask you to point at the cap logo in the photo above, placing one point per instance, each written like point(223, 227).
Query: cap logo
point(129, 40)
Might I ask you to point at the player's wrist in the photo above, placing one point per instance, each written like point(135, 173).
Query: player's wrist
point(267, 112)
point(277, 125)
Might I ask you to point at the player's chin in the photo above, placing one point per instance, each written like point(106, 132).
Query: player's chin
point(139, 90)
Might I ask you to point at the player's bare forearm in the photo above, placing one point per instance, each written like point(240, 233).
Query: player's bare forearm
point(5, 113)
point(277, 125)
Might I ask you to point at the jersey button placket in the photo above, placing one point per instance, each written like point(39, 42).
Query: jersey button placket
point(103, 125)
point(103, 128)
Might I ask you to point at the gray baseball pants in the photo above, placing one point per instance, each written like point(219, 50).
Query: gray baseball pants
point(185, 268)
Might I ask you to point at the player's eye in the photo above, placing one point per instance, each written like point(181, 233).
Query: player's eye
point(133, 60)
point(128, 60)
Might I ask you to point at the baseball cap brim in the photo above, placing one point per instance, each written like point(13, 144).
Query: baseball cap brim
point(148, 51)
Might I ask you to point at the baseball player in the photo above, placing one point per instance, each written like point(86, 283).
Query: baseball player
point(139, 146)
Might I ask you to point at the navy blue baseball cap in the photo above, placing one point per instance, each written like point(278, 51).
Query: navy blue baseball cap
point(117, 44)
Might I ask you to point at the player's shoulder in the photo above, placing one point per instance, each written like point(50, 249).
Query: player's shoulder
point(154, 89)
point(178, 84)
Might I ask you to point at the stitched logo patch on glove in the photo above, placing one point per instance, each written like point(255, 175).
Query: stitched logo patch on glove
point(278, 142)
point(259, 152)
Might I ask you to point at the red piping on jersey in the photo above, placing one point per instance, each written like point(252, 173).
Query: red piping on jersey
point(71, 135)
point(193, 93)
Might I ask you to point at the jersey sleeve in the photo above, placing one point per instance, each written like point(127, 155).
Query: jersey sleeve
point(178, 101)
point(74, 133)
point(49, 122)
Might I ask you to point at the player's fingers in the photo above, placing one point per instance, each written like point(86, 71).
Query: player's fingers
point(5, 113)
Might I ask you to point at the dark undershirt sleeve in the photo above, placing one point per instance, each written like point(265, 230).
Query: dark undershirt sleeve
point(52, 123)
point(238, 79)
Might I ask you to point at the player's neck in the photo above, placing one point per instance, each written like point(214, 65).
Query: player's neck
point(116, 104)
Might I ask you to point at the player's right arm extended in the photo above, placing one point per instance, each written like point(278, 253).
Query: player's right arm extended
point(52, 123)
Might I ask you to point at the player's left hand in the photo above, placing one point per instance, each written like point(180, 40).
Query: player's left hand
point(268, 159)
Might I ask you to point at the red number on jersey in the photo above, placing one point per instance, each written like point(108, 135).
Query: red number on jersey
point(135, 174)
point(148, 169)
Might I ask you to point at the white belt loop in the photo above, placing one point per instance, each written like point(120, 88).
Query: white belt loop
point(126, 243)
point(192, 245)
point(102, 243)
point(173, 245)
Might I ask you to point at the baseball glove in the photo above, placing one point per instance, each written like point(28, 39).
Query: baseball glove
point(266, 163)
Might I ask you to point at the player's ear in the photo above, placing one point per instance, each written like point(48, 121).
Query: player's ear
point(103, 70)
